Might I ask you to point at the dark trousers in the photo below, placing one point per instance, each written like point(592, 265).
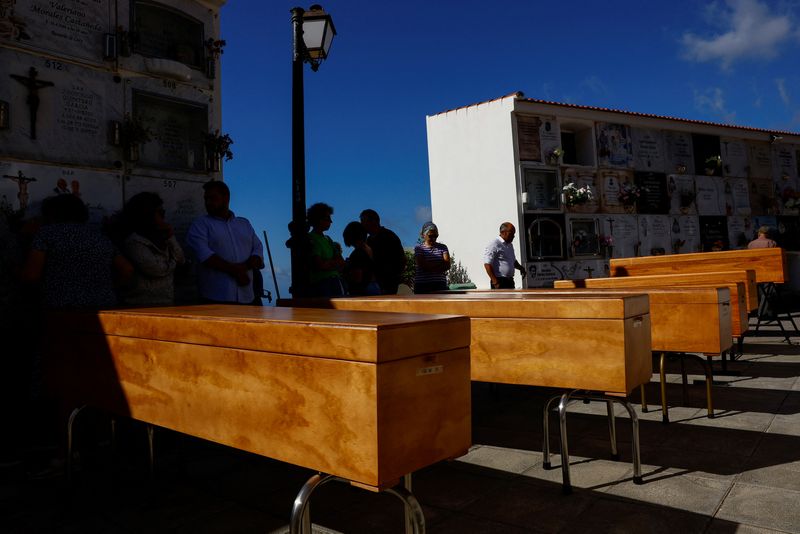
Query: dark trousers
point(505, 282)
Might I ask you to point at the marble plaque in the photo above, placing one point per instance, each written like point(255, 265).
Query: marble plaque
point(614, 145)
point(183, 200)
point(679, 156)
point(542, 189)
point(681, 194)
point(760, 160)
point(734, 157)
point(550, 138)
point(528, 142)
point(714, 233)
point(23, 186)
point(654, 193)
point(655, 234)
point(582, 178)
point(543, 273)
point(785, 164)
point(611, 184)
point(65, 28)
point(583, 236)
point(648, 150)
point(623, 231)
point(739, 196)
point(179, 128)
point(685, 231)
point(740, 231)
point(762, 196)
point(71, 117)
point(710, 195)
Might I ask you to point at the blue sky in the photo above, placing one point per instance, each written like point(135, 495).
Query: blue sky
point(393, 63)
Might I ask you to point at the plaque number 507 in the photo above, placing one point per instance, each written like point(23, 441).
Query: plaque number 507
point(170, 184)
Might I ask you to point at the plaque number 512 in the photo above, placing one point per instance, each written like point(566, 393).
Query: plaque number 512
point(55, 65)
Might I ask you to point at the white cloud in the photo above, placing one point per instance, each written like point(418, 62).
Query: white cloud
point(423, 214)
point(712, 101)
point(595, 84)
point(751, 32)
point(781, 83)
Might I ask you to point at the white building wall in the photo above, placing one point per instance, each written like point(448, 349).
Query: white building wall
point(473, 179)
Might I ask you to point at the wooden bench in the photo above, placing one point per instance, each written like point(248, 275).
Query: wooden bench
point(364, 397)
point(599, 344)
point(682, 320)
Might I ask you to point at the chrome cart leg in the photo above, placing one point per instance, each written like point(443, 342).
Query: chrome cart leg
point(151, 452)
point(70, 429)
point(408, 512)
point(566, 484)
point(546, 429)
point(300, 522)
point(662, 372)
point(415, 519)
point(635, 452)
point(612, 429)
point(644, 398)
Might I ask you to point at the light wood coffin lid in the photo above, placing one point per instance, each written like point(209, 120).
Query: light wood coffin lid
point(768, 263)
point(748, 277)
point(346, 335)
point(682, 319)
point(532, 341)
point(511, 307)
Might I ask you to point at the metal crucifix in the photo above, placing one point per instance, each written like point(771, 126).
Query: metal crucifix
point(22, 184)
point(33, 84)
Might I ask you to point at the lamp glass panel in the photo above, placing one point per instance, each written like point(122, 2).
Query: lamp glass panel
point(313, 33)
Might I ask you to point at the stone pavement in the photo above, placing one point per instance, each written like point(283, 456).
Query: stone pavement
point(738, 472)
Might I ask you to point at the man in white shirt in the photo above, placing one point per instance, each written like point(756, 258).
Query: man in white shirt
point(499, 258)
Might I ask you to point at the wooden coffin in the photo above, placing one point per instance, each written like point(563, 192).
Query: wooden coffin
point(684, 319)
point(769, 264)
point(714, 279)
point(598, 343)
point(368, 397)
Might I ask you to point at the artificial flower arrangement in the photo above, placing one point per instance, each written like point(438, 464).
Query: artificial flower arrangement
point(553, 155)
point(629, 193)
point(575, 196)
point(712, 164)
point(791, 199)
point(606, 241)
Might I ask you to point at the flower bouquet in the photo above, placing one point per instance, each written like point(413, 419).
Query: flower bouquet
point(554, 155)
point(575, 196)
point(629, 193)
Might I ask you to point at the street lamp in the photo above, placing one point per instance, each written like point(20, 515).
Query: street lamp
point(313, 33)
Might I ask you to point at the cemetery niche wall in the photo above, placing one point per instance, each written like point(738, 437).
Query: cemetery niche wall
point(659, 185)
point(103, 99)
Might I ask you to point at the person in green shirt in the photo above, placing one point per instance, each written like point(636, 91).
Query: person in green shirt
point(326, 254)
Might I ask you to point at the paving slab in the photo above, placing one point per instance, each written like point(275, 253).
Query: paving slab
point(609, 515)
point(760, 506)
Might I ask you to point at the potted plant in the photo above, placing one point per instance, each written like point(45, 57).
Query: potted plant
point(217, 146)
point(214, 49)
point(553, 156)
point(629, 194)
point(133, 133)
point(712, 164)
point(576, 196)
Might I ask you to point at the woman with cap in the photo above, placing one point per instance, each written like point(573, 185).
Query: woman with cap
point(433, 261)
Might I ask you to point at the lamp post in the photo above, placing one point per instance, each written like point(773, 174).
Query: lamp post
point(312, 35)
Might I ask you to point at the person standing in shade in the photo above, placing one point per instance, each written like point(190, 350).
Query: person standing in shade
point(387, 252)
point(226, 248)
point(499, 258)
point(326, 254)
point(359, 270)
point(763, 240)
point(433, 261)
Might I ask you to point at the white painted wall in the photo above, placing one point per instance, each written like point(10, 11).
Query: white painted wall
point(473, 180)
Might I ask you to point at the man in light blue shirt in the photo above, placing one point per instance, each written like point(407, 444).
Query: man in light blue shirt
point(226, 248)
point(499, 258)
